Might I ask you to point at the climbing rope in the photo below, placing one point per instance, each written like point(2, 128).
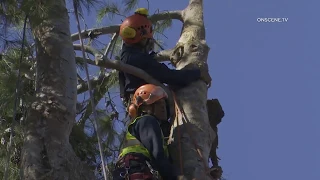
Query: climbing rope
point(16, 98)
point(90, 92)
point(180, 111)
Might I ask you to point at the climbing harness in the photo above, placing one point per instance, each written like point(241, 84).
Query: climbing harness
point(17, 91)
point(90, 92)
point(141, 169)
point(180, 111)
point(136, 157)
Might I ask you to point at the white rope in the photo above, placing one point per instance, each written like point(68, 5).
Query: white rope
point(90, 92)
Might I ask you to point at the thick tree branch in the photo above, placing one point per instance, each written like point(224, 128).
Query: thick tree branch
point(81, 60)
point(87, 49)
point(166, 15)
point(164, 55)
point(95, 32)
point(120, 66)
point(83, 87)
point(103, 61)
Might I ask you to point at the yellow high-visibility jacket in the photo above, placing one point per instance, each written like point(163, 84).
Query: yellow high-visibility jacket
point(133, 145)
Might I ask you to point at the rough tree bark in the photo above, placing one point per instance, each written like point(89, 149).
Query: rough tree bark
point(194, 131)
point(47, 153)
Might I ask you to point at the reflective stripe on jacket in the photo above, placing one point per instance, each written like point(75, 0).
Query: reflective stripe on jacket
point(132, 145)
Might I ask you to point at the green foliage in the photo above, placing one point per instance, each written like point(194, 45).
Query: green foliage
point(13, 169)
point(8, 78)
point(10, 13)
point(161, 26)
point(13, 12)
point(15, 147)
point(84, 145)
point(111, 9)
point(99, 92)
point(129, 5)
point(87, 4)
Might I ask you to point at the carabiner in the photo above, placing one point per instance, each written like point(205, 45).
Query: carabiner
point(122, 174)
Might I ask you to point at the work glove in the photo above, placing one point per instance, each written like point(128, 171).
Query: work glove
point(204, 73)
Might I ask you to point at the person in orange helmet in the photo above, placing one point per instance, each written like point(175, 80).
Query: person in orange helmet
point(144, 153)
point(137, 34)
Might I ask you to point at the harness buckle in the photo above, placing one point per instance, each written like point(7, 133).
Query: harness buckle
point(152, 171)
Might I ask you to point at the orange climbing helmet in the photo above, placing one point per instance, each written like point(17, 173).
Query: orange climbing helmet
point(136, 27)
point(145, 95)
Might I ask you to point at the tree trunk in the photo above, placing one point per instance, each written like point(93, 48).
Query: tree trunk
point(47, 153)
point(194, 131)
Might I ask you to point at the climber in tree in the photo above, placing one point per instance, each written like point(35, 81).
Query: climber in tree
point(137, 34)
point(144, 152)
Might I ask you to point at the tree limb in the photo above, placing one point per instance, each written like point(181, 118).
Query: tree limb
point(87, 49)
point(95, 32)
point(81, 60)
point(103, 61)
point(164, 55)
point(166, 15)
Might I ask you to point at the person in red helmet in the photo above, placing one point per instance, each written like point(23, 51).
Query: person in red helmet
point(144, 153)
point(137, 34)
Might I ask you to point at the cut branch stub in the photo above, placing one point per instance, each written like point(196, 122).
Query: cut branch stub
point(190, 54)
point(164, 55)
point(177, 54)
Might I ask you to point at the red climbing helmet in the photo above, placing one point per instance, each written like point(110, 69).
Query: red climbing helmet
point(146, 94)
point(136, 27)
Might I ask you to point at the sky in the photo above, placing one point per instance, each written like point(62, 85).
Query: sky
point(266, 76)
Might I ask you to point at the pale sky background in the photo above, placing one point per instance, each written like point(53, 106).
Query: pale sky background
point(266, 76)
